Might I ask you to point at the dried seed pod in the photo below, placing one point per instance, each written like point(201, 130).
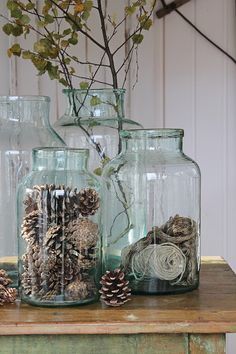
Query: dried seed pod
point(83, 233)
point(179, 226)
point(115, 290)
point(79, 289)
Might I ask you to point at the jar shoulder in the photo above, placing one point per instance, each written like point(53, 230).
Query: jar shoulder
point(75, 178)
point(143, 163)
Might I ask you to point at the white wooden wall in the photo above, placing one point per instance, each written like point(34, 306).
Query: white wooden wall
point(183, 82)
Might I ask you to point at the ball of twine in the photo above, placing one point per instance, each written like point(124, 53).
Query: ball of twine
point(165, 261)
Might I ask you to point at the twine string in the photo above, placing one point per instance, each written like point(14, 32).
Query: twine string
point(165, 261)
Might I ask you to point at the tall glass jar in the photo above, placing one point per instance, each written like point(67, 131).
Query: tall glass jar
point(24, 124)
point(58, 229)
point(92, 120)
point(151, 216)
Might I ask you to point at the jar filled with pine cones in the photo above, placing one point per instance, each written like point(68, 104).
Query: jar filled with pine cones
point(58, 229)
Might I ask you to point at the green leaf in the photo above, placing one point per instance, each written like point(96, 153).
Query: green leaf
point(16, 49)
point(64, 43)
point(57, 36)
point(145, 22)
point(30, 6)
point(105, 161)
point(137, 38)
point(98, 171)
point(63, 82)
point(25, 20)
point(12, 5)
point(16, 13)
point(7, 28)
point(53, 52)
point(88, 5)
point(26, 54)
point(17, 30)
point(84, 85)
point(74, 39)
point(66, 32)
point(53, 72)
point(39, 63)
point(85, 15)
point(130, 10)
point(95, 100)
point(48, 19)
point(67, 61)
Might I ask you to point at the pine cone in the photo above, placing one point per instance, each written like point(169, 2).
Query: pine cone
point(89, 201)
point(7, 295)
point(115, 290)
point(31, 227)
point(4, 279)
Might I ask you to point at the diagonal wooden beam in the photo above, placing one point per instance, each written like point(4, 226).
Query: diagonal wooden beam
point(168, 8)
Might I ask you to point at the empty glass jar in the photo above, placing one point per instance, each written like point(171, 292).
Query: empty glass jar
point(24, 124)
point(151, 215)
point(59, 229)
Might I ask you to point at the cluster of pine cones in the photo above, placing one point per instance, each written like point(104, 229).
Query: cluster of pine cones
point(7, 294)
point(60, 243)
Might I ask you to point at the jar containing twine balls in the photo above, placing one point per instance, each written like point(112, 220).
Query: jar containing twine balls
point(151, 229)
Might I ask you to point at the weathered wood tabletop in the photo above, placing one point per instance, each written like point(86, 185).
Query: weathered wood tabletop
point(195, 322)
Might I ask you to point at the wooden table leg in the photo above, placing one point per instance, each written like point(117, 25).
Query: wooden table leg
point(207, 344)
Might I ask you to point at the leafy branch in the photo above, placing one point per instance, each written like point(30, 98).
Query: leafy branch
point(61, 25)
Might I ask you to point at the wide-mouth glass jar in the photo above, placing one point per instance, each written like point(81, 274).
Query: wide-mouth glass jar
point(59, 229)
point(151, 228)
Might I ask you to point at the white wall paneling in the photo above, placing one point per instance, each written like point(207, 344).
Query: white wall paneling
point(183, 82)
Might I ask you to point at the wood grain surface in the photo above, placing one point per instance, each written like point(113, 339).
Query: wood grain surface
point(210, 309)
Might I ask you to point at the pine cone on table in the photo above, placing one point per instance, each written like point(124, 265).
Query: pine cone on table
point(7, 295)
point(4, 279)
point(115, 290)
point(88, 201)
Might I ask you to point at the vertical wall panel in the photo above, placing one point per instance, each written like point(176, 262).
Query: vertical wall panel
point(147, 95)
point(180, 75)
point(210, 127)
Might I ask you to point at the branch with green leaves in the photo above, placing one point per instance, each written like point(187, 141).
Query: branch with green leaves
point(61, 25)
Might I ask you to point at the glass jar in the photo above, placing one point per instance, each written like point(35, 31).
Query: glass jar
point(58, 229)
point(92, 120)
point(151, 216)
point(24, 124)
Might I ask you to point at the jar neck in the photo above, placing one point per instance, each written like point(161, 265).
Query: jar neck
point(160, 140)
point(99, 104)
point(60, 159)
point(32, 110)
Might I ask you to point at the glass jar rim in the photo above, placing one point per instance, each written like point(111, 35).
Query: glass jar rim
point(32, 98)
point(93, 90)
point(152, 133)
point(60, 150)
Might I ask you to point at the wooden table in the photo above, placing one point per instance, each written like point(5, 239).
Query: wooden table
point(194, 322)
